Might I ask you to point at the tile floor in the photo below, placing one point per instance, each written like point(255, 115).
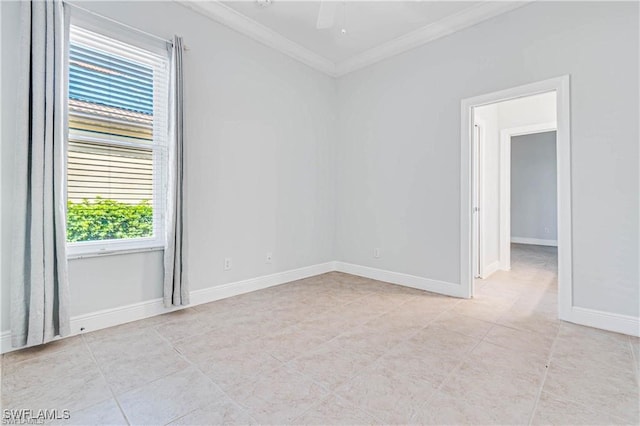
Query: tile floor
point(340, 349)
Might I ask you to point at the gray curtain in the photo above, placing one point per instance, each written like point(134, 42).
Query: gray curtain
point(40, 289)
point(176, 291)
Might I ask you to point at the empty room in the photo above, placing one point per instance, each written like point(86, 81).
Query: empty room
point(319, 212)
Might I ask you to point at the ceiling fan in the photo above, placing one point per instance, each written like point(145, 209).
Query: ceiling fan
point(327, 14)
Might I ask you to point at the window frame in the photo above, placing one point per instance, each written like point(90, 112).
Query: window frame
point(106, 28)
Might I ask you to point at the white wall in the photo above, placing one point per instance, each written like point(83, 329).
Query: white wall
point(400, 143)
point(261, 130)
point(259, 161)
point(496, 117)
point(534, 187)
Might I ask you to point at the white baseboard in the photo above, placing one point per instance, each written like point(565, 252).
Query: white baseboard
point(212, 294)
point(490, 269)
point(435, 286)
point(111, 317)
point(624, 324)
point(534, 241)
point(137, 311)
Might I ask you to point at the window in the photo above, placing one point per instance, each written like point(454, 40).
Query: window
point(117, 149)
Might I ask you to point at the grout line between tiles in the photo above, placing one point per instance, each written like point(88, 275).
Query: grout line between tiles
point(544, 377)
point(194, 365)
point(587, 407)
point(634, 357)
point(95, 360)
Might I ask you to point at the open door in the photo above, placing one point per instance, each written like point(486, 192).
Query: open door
point(477, 184)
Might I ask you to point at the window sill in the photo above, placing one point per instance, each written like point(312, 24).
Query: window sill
point(109, 252)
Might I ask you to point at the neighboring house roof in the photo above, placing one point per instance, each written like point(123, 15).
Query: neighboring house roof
point(110, 99)
point(105, 79)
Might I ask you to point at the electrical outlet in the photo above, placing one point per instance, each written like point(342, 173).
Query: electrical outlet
point(269, 257)
point(546, 230)
point(376, 253)
point(227, 263)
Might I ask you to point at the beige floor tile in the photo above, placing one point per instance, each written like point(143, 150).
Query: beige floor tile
point(462, 324)
point(499, 381)
point(389, 396)
point(635, 351)
point(402, 317)
point(419, 362)
point(135, 326)
point(615, 394)
point(289, 343)
point(104, 413)
point(552, 410)
point(336, 411)
point(501, 360)
point(278, 396)
point(446, 410)
point(530, 321)
point(223, 306)
point(189, 324)
point(485, 309)
point(374, 337)
point(236, 364)
point(222, 412)
point(498, 291)
point(195, 348)
point(67, 379)
point(430, 303)
point(586, 349)
point(169, 398)
point(377, 303)
point(340, 319)
point(440, 340)
point(332, 364)
point(317, 328)
point(134, 359)
point(509, 399)
point(12, 358)
point(525, 341)
point(590, 342)
point(382, 348)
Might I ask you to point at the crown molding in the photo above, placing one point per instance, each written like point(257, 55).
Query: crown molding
point(230, 18)
point(456, 22)
point(466, 18)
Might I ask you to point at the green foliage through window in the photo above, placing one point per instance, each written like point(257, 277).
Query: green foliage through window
point(104, 219)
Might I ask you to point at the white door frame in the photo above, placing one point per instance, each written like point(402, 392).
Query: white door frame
point(561, 85)
point(478, 237)
point(505, 183)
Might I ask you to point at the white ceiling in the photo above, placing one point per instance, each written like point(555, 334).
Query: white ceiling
point(374, 29)
point(368, 23)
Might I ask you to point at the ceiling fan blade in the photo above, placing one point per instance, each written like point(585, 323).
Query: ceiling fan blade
point(326, 14)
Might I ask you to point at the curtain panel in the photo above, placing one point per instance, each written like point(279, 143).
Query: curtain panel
point(40, 288)
point(176, 291)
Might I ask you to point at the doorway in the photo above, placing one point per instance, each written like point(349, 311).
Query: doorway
point(487, 132)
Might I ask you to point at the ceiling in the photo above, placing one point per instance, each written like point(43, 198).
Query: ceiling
point(374, 30)
point(368, 24)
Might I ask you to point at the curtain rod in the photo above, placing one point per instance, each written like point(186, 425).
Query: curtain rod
point(129, 27)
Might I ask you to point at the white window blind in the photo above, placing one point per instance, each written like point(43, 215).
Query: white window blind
point(117, 149)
